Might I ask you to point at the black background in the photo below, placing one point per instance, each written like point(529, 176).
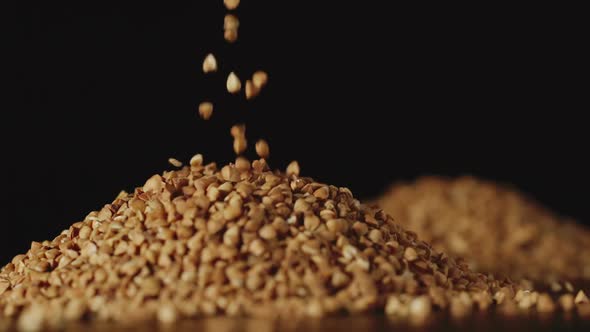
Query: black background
point(362, 95)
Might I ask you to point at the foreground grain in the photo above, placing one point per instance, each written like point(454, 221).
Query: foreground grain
point(236, 240)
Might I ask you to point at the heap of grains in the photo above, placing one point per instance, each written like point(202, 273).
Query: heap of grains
point(495, 228)
point(240, 240)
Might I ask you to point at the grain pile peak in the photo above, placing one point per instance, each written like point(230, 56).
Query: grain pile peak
point(236, 240)
point(495, 228)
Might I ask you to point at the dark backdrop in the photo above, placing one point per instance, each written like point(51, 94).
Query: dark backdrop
point(360, 94)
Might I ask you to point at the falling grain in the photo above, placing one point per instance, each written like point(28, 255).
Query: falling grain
point(262, 149)
point(233, 83)
point(205, 110)
point(209, 64)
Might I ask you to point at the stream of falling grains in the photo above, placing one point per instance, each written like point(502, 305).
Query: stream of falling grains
point(252, 88)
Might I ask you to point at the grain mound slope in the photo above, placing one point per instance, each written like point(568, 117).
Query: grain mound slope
point(242, 240)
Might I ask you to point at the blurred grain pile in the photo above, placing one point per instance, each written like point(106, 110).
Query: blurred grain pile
point(495, 228)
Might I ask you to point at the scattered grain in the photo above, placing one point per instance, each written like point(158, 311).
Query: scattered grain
point(251, 90)
point(230, 35)
point(175, 162)
point(581, 297)
point(262, 149)
point(233, 83)
point(230, 26)
point(231, 22)
point(197, 160)
point(260, 79)
point(209, 64)
point(545, 303)
point(566, 302)
point(293, 168)
point(205, 110)
point(240, 145)
point(239, 134)
point(231, 4)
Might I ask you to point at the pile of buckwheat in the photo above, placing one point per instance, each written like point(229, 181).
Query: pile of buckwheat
point(494, 227)
point(243, 240)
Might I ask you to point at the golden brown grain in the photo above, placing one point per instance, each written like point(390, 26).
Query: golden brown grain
point(581, 297)
point(238, 132)
point(311, 221)
point(231, 25)
point(196, 240)
point(167, 313)
point(196, 160)
point(240, 145)
point(209, 64)
point(231, 22)
point(259, 79)
point(262, 149)
point(205, 110)
point(566, 302)
point(175, 162)
point(410, 254)
point(233, 83)
point(251, 90)
point(231, 4)
point(420, 307)
point(230, 35)
point(293, 168)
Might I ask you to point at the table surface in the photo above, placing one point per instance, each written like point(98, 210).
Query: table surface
point(440, 322)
